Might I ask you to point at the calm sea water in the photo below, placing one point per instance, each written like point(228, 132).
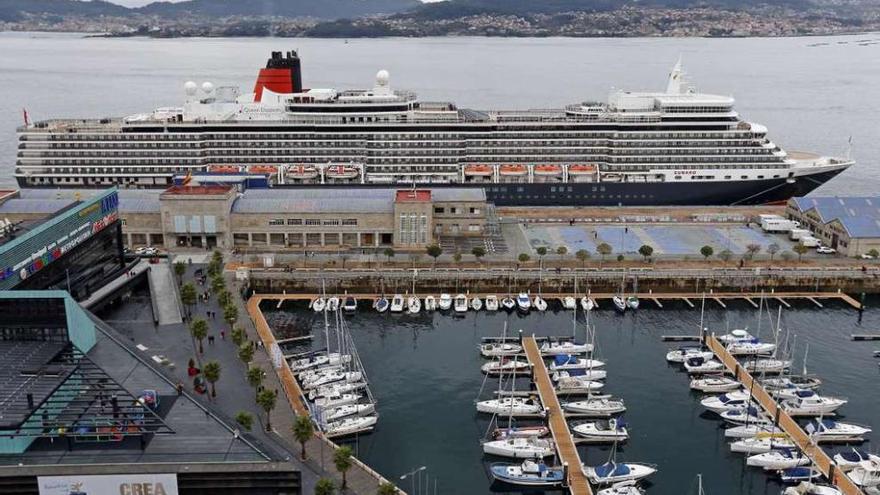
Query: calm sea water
point(810, 97)
point(424, 372)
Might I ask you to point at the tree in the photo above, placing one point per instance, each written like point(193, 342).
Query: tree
point(387, 488)
point(217, 257)
point(523, 258)
point(541, 251)
point(224, 298)
point(342, 461)
point(801, 250)
point(582, 255)
point(230, 315)
point(255, 377)
point(646, 251)
point(303, 430)
point(725, 255)
point(707, 251)
point(246, 353)
point(561, 251)
point(873, 253)
point(478, 252)
point(456, 257)
point(752, 250)
point(199, 330)
point(434, 251)
point(389, 253)
point(325, 486)
point(211, 370)
point(620, 258)
point(188, 296)
point(772, 249)
point(179, 270)
point(604, 249)
point(239, 335)
point(218, 284)
point(245, 419)
point(786, 255)
point(266, 400)
point(214, 268)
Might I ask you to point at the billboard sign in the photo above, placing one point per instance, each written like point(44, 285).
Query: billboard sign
point(111, 484)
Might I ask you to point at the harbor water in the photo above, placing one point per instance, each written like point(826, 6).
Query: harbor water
point(424, 370)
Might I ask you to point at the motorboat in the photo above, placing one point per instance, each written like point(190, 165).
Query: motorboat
point(508, 303)
point(570, 362)
point(461, 303)
point(752, 430)
point(622, 488)
point(344, 411)
point(333, 376)
point(761, 444)
point(778, 459)
point(333, 358)
point(767, 365)
point(569, 302)
point(791, 381)
point(577, 385)
point(523, 302)
point(828, 430)
point(791, 393)
point(335, 389)
point(476, 304)
point(540, 304)
point(350, 426)
point(511, 406)
point(499, 349)
point(810, 488)
point(810, 404)
point(336, 400)
point(521, 432)
point(684, 353)
point(332, 303)
point(520, 448)
point(619, 303)
point(725, 402)
point(738, 335)
point(430, 303)
point(413, 305)
point(750, 348)
point(615, 472)
point(316, 371)
point(632, 302)
point(505, 366)
point(554, 347)
point(867, 474)
point(397, 303)
point(698, 364)
point(715, 384)
point(350, 304)
point(853, 458)
point(491, 302)
point(595, 407)
point(529, 473)
point(582, 374)
point(746, 415)
point(800, 473)
point(611, 430)
point(319, 304)
point(445, 301)
point(587, 304)
point(381, 305)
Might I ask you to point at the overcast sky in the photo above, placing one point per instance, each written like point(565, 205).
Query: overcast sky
point(138, 3)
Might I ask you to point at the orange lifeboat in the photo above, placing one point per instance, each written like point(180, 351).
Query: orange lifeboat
point(224, 169)
point(552, 170)
point(478, 170)
point(342, 172)
point(302, 172)
point(514, 170)
point(263, 169)
point(582, 169)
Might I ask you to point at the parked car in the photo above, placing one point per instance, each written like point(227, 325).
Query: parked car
point(867, 256)
point(825, 250)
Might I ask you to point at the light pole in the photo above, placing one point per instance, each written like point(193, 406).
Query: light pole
point(412, 477)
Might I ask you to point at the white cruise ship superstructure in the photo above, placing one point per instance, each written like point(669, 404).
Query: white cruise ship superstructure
point(672, 147)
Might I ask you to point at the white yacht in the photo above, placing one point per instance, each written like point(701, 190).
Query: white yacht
point(810, 404)
point(725, 402)
point(696, 365)
point(337, 399)
point(491, 302)
point(505, 366)
point(461, 303)
point(500, 349)
point(511, 406)
point(430, 303)
point(567, 362)
point(350, 426)
point(587, 303)
point(750, 348)
point(604, 431)
point(715, 384)
point(445, 301)
point(523, 302)
point(556, 347)
point(539, 303)
point(476, 303)
point(684, 353)
point(777, 459)
point(318, 304)
point(581, 374)
point(397, 303)
point(853, 458)
point(343, 411)
point(826, 430)
point(761, 444)
point(614, 472)
point(413, 305)
point(520, 448)
point(569, 302)
point(595, 407)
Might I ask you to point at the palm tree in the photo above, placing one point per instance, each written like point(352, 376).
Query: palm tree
point(478, 252)
point(179, 270)
point(199, 330)
point(387, 488)
point(230, 315)
point(389, 253)
point(342, 461)
point(218, 284)
point(303, 430)
point(561, 251)
point(523, 258)
point(245, 419)
point(582, 255)
point(542, 251)
point(255, 377)
point(266, 400)
point(188, 296)
point(224, 298)
point(325, 486)
point(211, 370)
point(239, 335)
point(434, 251)
point(246, 353)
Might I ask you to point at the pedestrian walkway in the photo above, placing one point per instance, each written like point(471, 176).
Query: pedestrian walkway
point(163, 291)
point(115, 284)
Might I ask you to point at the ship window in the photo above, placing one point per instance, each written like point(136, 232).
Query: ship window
point(677, 177)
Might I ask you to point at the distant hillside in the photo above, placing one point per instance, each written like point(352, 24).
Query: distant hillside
point(11, 10)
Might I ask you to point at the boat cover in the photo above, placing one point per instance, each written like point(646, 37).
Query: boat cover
point(854, 456)
point(610, 469)
point(562, 359)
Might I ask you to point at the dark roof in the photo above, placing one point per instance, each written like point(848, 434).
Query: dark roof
point(25, 370)
point(860, 216)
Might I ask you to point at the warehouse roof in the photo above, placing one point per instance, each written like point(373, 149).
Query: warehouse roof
point(859, 215)
point(323, 200)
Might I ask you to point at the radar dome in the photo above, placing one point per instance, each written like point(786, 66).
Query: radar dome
point(190, 88)
point(207, 87)
point(382, 78)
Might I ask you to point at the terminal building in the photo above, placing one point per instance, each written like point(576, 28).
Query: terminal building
point(851, 225)
point(229, 217)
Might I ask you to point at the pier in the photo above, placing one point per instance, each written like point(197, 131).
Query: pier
point(565, 446)
point(821, 460)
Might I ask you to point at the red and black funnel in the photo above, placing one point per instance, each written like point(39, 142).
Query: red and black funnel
point(281, 75)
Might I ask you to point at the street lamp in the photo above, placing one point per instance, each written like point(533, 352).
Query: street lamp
point(411, 476)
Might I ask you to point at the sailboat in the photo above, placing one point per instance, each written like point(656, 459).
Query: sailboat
point(619, 300)
point(476, 303)
point(461, 303)
point(615, 472)
point(491, 302)
point(319, 304)
point(350, 304)
point(413, 305)
point(507, 302)
point(445, 301)
point(430, 303)
point(510, 405)
point(623, 488)
point(539, 303)
point(332, 303)
point(397, 303)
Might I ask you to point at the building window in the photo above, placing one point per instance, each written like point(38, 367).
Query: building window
point(276, 221)
point(334, 221)
point(473, 227)
point(294, 221)
point(350, 222)
point(475, 211)
point(313, 221)
point(439, 210)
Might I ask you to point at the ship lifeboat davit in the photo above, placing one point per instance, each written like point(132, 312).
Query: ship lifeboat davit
point(224, 169)
point(548, 170)
point(302, 172)
point(263, 169)
point(513, 170)
point(342, 172)
point(477, 171)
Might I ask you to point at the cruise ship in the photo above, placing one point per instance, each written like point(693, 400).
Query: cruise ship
point(672, 147)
